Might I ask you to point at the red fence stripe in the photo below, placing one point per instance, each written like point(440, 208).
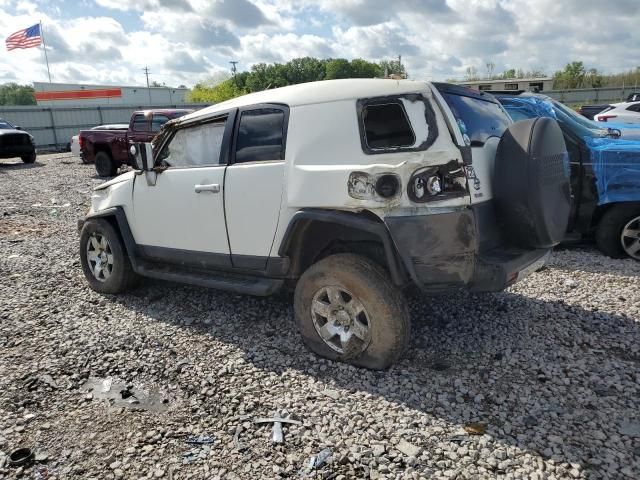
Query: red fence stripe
point(76, 94)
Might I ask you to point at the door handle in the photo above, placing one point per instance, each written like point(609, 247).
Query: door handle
point(213, 188)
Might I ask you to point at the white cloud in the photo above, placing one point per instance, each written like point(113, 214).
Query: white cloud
point(182, 41)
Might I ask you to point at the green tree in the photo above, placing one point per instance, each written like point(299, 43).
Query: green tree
point(208, 93)
point(362, 69)
point(305, 69)
point(338, 68)
point(572, 76)
point(14, 94)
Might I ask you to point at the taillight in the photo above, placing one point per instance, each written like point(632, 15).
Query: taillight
point(81, 141)
point(604, 118)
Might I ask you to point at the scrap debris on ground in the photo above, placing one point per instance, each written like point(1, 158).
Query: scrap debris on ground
point(539, 382)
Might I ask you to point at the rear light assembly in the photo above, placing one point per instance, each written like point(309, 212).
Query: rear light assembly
point(604, 118)
point(81, 141)
point(437, 183)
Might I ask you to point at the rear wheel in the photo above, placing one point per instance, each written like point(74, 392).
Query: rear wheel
point(105, 166)
point(618, 233)
point(104, 260)
point(347, 309)
point(29, 158)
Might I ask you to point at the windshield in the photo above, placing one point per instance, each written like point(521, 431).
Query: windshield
point(584, 126)
point(4, 125)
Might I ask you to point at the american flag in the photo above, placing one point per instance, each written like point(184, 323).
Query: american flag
point(27, 38)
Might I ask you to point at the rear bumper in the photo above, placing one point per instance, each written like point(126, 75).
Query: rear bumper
point(463, 249)
point(10, 151)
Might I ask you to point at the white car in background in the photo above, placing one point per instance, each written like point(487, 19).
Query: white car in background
point(75, 140)
point(627, 112)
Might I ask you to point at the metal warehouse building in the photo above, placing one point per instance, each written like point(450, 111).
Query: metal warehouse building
point(527, 84)
point(79, 95)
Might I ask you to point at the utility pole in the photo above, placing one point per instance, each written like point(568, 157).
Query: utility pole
point(146, 72)
point(400, 65)
point(234, 70)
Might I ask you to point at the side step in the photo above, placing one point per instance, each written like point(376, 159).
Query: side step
point(258, 286)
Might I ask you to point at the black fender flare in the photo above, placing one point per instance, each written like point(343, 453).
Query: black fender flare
point(303, 218)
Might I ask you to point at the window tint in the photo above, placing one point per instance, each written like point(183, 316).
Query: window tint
point(5, 125)
point(260, 135)
point(634, 108)
point(157, 122)
point(479, 119)
point(140, 123)
point(511, 86)
point(387, 126)
point(194, 146)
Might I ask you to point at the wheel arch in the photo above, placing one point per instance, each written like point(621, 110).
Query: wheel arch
point(600, 210)
point(118, 219)
point(314, 234)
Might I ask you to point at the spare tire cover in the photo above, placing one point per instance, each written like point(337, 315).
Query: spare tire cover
point(531, 183)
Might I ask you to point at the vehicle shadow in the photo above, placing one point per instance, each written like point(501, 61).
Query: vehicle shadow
point(541, 375)
point(19, 165)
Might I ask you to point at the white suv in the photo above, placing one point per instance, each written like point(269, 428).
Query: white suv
point(347, 191)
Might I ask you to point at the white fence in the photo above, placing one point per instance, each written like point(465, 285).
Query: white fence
point(53, 127)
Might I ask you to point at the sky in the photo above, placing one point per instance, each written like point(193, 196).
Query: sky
point(186, 41)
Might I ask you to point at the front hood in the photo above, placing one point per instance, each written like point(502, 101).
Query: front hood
point(119, 179)
point(11, 131)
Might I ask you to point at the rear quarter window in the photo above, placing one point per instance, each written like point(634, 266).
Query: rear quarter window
point(478, 119)
point(399, 123)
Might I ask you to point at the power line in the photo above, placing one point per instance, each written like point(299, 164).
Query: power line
point(147, 72)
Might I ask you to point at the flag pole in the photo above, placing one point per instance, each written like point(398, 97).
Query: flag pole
point(44, 46)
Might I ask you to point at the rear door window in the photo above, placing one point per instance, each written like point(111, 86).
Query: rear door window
point(478, 119)
point(157, 122)
point(260, 135)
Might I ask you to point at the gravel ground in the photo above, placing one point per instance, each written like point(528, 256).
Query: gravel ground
point(539, 382)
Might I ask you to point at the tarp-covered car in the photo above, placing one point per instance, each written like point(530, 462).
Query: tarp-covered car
point(16, 143)
point(605, 173)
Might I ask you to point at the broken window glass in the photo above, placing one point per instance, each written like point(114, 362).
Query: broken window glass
point(195, 146)
point(387, 126)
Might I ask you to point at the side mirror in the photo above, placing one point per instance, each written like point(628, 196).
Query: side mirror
point(142, 154)
point(17, 127)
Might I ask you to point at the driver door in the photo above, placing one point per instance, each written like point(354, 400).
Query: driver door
point(180, 219)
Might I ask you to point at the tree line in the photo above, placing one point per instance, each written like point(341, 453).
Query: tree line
point(263, 76)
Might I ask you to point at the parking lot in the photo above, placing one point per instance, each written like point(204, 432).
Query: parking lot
point(541, 381)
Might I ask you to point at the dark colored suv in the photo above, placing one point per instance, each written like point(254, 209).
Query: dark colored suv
point(16, 143)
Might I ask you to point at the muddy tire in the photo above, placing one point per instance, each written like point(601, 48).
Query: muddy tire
point(616, 235)
point(104, 259)
point(31, 158)
point(347, 309)
point(105, 166)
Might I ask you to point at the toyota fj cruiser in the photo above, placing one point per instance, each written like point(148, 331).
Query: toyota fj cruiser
point(347, 191)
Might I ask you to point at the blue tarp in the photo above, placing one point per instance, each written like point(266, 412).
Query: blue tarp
point(615, 161)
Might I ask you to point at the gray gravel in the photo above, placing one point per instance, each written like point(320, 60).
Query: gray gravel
point(539, 382)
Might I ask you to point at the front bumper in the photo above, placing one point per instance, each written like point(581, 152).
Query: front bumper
point(463, 249)
point(10, 151)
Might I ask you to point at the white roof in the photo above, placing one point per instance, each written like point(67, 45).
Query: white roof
point(317, 92)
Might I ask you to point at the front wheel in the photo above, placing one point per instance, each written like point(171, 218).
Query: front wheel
point(104, 260)
point(29, 158)
point(347, 309)
point(618, 233)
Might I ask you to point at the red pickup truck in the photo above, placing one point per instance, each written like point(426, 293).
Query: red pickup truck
point(109, 149)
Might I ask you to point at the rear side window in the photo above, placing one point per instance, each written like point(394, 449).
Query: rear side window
point(387, 126)
point(260, 136)
point(478, 119)
point(140, 123)
point(157, 122)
